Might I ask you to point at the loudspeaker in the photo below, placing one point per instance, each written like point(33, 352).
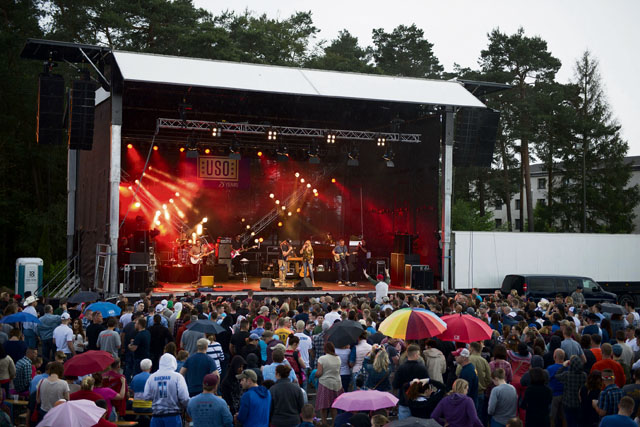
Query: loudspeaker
point(403, 243)
point(50, 109)
point(139, 258)
point(475, 137)
point(83, 100)
point(304, 283)
point(421, 277)
point(266, 283)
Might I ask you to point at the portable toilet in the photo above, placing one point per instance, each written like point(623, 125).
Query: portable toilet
point(28, 275)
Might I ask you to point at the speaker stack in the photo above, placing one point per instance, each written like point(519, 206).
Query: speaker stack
point(50, 109)
point(83, 100)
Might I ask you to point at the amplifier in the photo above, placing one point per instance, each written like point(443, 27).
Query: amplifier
point(419, 277)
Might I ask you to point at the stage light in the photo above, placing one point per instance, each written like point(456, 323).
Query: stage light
point(253, 233)
point(130, 188)
point(155, 148)
point(271, 196)
point(171, 201)
point(216, 131)
point(242, 220)
point(284, 208)
point(314, 153)
point(272, 135)
point(164, 206)
point(205, 219)
point(381, 141)
point(289, 213)
point(256, 241)
point(333, 180)
point(279, 223)
point(248, 227)
point(177, 194)
point(182, 149)
point(157, 222)
point(129, 146)
point(298, 210)
point(331, 137)
point(207, 151)
point(282, 153)
point(315, 194)
point(308, 185)
point(302, 180)
point(277, 202)
point(158, 213)
point(137, 182)
point(166, 215)
point(260, 240)
point(315, 190)
point(193, 238)
point(297, 174)
point(259, 153)
point(136, 205)
point(181, 214)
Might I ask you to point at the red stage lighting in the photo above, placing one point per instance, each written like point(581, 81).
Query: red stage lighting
point(155, 148)
point(298, 210)
point(129, 146)
point(182, 149)
point(333, 180)
point(259, 153)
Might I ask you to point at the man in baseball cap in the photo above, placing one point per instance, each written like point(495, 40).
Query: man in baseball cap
point(468, 371)
point(207, 409)
point(255, 403)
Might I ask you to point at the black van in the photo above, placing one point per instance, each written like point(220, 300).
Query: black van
point(537, 286)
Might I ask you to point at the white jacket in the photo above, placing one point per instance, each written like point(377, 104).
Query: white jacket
point(166, 388)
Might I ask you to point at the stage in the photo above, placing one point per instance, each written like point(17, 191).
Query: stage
point(238, 287)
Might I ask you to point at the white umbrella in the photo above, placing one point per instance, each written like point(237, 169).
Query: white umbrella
point(74, 413)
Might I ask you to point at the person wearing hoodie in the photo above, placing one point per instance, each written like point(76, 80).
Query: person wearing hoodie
point(536, 362)
point(255, 404)
point(435, 361)
point(168, 391)
point(457, 409)
point(572, 379)
point(537, 399)
point(554, 344)
point(230, 388)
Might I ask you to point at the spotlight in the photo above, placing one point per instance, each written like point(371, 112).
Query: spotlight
point(234, 150)
point(284, 208)
point(260, 240)
point(302, 180)
point(136, 204)
point(155, 148)
point(253, 233)
point(137, 182)
point(182, 149)
point(216, 131)
point(333, 180)
point(289, 213)
point(331, 137)
point(205, 219)
point(315, 194)
point(171, 201)
point(177, 194)
point(166, 215)
point(353, 157)
point(157, 222)
point(308, 185)
point(279, 223)
point(207, 151)
point(242, 220)
point(297, 174)
point(277, 202)
point(381, 141)
point(158, 213)
point(259, 153)
point(164, 206)
point(129, 146)
point(315, 190)
point(388, 157)
point(130, 188)
point(272, 135)
point(271, 196)
point(248, 227)
point(298, 210)
point(256, 241)
point(199, 229)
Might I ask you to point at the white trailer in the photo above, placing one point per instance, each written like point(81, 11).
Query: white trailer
point(482, 259)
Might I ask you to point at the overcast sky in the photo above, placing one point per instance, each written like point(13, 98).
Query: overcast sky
point(458, 29)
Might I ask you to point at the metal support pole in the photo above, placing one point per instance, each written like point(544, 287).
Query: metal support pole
point(72, 167)
point(447, 190)
point(584, 187)
point(114, 188)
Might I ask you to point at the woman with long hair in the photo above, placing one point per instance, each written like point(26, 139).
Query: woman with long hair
point(329, 381)
point(500, 361)
point(79, 337)
point(537, 399)
point(423, 395)
point(378, 371)
point(307, 260)
point(230, 388)
point(108, 394)
point(457, 409)
point(7, 370)
point(51, 389)
point(588, 393)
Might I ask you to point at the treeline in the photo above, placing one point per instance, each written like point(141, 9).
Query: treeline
point(542, 120)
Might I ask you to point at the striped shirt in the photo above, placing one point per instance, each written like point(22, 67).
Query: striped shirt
point(214, 351)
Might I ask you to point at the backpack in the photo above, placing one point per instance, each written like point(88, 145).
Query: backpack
point(292, 358)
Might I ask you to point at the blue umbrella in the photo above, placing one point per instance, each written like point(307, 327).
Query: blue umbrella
point(106, 308)
point(20, 317)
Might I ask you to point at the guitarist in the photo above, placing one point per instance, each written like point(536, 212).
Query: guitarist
point(196, 253)
point(283, 265)
point(340, 253)
point(237, 247)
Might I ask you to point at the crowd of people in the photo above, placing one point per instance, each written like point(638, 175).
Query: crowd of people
point(551, 363)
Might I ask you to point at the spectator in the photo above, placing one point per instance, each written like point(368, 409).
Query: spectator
point(48, 322)
point(269, 371)
point(86, 391)
point(633, 390)
point(160, 337)
point(51, 389)
point(207, 409)
point(139, 405)
point(239, 339)
point(255, 404)
point(503, 401)
point(572, 379)
point(80, 342)
point(457, 409)
point(140, 344)
point(214, 351)
point(423, 395)
point(109, 339)
point(571, 346)
point(307, 414)
point(197, 366)
point(15, 347)
point(483, 372)
point(467, 372)
point(377, 372)
point(94, 329)
point(537, 399)
point(407, 371)
point(607, 362)
point(168, 391)
point(294, 359)
point(231, 389)
point(607, 404)
point(557, 387)
point(624, 416)
point(24, 371)
point(435, 361)
point(287, 399)
point(108, 394)
point(329, 381)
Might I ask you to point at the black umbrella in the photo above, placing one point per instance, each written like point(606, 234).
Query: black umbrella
point(414, 422)
point(344, 333)
point(376, 338)
point(612, 308)
point(84, 296)
point(205, 326)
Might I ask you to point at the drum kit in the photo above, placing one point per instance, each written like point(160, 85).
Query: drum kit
point(181, 248)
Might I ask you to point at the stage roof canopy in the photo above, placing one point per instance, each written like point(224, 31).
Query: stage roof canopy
point(139, 67)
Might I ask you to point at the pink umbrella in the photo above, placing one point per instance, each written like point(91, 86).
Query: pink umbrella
point(365, 400)
point(74, 413)
point(465, 328)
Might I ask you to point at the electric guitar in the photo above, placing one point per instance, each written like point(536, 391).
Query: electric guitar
point(338, 257)
point(197, 259)
point(235, 253)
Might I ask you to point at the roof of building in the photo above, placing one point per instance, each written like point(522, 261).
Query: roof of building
point(142, 67)
point(539, 169)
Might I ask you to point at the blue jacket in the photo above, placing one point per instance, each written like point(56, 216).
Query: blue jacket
point(255, 406)
point(48, 323)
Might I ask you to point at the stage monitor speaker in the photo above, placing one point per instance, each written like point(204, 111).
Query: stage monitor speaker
point(421, 277)
point(83, 100)
point(304, 283)
point(50, 109)
point(266, 283)
point(475, 137)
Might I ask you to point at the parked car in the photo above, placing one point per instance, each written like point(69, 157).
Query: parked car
point(537, 286)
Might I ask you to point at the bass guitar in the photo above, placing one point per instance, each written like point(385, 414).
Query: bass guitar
point(235, 253)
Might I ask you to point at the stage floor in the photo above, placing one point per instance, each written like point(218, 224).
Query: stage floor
point(238, 287)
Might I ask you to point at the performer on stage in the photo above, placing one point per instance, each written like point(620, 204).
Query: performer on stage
point(283, 265)
point(196, 254)
point(361, 253)
point(340, 253)
point(328, 240)
point(237, 247)
point(307, 260)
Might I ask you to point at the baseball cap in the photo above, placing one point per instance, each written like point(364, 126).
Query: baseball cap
point(380, 277)
point(159, 308)
point(254, 337)
point(65, 316)
point(264, 309)
point(248, 373)
point(461, 352)
point(211, 380)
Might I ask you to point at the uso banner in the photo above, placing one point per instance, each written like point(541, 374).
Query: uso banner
point(223, 172)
